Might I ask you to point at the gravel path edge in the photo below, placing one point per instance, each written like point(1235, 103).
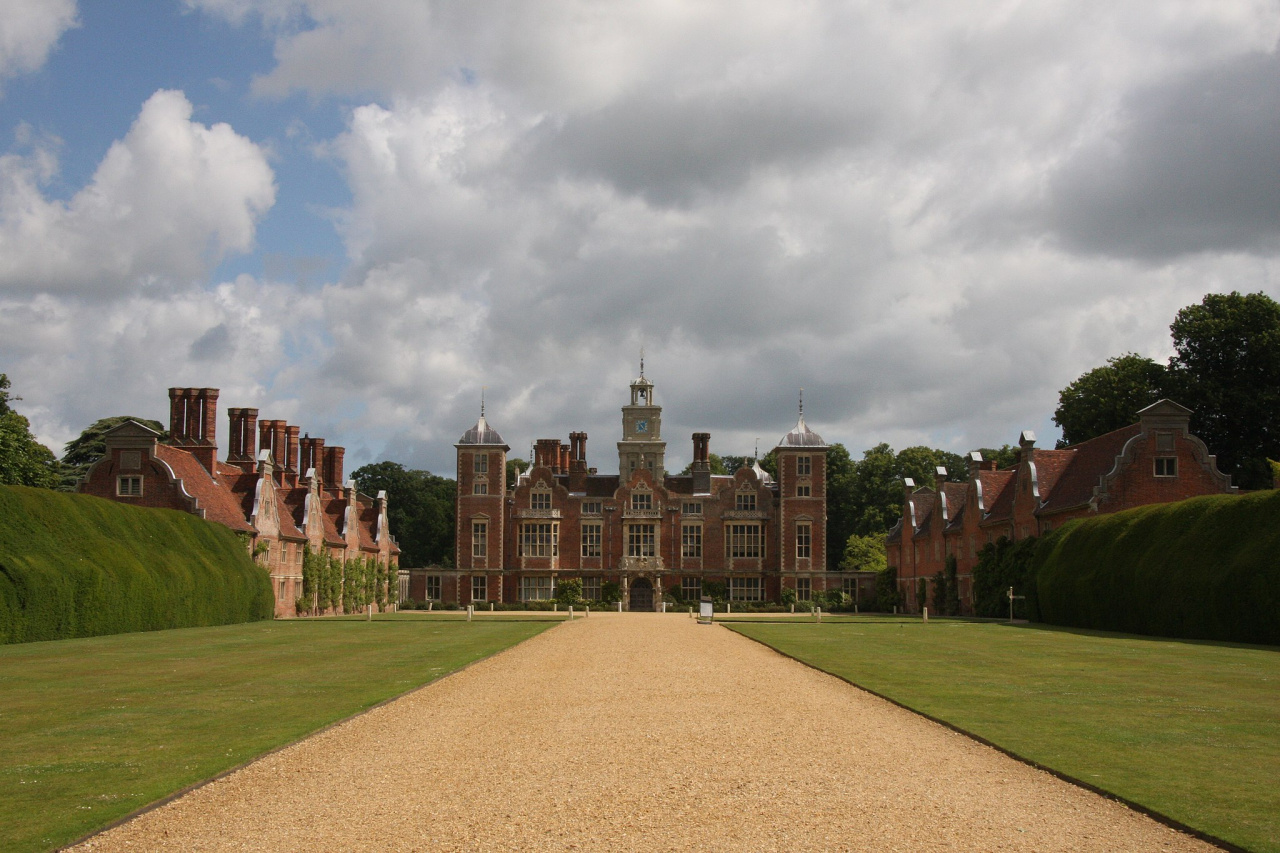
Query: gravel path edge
point(195, 786)
point(1159, 817)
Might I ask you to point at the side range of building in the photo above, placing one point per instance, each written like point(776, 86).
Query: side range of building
point(285, 493)
point(1155, 460)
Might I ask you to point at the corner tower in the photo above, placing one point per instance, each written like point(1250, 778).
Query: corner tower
point(642, 445)
point(802, 499)
point(482, 493)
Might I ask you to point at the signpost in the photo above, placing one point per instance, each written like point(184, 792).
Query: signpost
point(1011, 600)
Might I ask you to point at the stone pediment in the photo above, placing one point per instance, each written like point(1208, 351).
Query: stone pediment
point(641, 565)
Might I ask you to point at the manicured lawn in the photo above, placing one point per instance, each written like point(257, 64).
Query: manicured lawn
point(92, 729)
point(1188, 729)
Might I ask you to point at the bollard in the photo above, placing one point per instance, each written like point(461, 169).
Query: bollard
point(555, 607)
point(429, 604)
point(471, 609)
point(817, 614)
point(793, 608)
point(925, 611)
point(619, 606)
point(728, 607)
point(490, 606)
point(570, 612)
point(855, 609)
point(369, 617)
point(690, 612)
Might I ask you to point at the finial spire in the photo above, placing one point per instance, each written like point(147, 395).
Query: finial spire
point(482, 389)
point(642, 362)
point(802, 404)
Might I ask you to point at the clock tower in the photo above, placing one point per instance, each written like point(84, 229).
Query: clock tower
point(642, 445)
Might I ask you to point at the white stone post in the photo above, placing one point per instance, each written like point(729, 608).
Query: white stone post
point(471, 608)
point(925, 611)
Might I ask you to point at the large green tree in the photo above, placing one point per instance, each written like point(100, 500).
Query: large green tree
point(1226, 368)
point(1108, 397)
point(23, 460)
point(91, 445)
point(873, 498)
point(420, 510)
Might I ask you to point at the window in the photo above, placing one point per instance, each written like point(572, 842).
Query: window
point(804, 466)
point(692, 508)
point(535, 589)
point(642, 500)
point(744, 589)
point(540, 500)
point(745, 540)
point(129, 487)
point(691, 540)
point(482, 463)
point(804, 589)
point(591, 589)
point(479, 539)
point(480, 489)
point(804, 540)
point(802, 490)
point(746, 501)
point(1166, 466)
point(280, 593)
point(640, 540)
point(433, 587)
point(691, 588)
point(539, 540)
point(850, 587)
point(591, 540)
point(479, 588)
point(591, 508)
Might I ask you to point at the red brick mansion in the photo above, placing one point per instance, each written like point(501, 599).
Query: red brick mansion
point(641, 528)
point(1156, 460)
point(283, 492)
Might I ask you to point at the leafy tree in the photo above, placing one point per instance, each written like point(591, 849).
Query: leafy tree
point(610, 592)
point(420, 510)
point(873, 498)
point(717, 465)
point(91, 445)
point(887, 594)
point(1108, 397)
point(569, 591)
point(864, 554)
point(515, 467)
point(841, 506)
point(23, 460)
point(1004, 456)
point(1226, 368)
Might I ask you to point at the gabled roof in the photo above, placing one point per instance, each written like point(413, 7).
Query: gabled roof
point(955, 493)
point(1091, 460)
point(993, 485)
point(1000, 505)
point(216, 499)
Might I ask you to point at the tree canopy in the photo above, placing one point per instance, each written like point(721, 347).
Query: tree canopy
point(717, 465)
point(1108, 397)
point(1225, 368)
point(23, 460)
point(420, 510)
point(91, 445)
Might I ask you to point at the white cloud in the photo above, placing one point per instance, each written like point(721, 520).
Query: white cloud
point(28, 31)
point(166, 203)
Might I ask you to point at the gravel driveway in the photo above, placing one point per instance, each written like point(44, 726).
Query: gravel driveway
point(640, 732)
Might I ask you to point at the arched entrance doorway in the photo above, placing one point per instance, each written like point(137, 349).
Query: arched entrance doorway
point(641, 598)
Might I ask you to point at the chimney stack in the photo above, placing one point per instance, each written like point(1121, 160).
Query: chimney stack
point(242, 449)
point(701, 467)
point(291, 452)
point(333, 467)
point(577, 461)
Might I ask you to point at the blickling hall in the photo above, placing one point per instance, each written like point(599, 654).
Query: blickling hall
point(640, 528)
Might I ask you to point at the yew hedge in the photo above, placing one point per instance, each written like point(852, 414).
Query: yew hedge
point(79, 566)
point(1204, 568)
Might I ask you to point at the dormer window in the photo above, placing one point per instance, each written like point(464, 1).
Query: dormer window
point(540, 499)
point(642, 500)
point(746, 501)
point(1166, 466)
point(129, 487)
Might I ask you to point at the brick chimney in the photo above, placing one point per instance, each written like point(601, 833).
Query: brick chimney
point(243, 448)
point(193, 419)
point(1027, 442)
point(939, 477)
point(701, 467)
point(577, 461)
point(547, 454)
point(291, 452)
point(333, 467)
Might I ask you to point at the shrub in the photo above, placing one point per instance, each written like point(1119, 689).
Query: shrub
point(79, 566)
point(1001, 565)
point(610, 592)
point(887, 594)
point(569, 591)
point(1203, 568)
point(788, 596)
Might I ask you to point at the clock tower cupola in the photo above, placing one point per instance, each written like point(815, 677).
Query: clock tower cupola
point(642, 446)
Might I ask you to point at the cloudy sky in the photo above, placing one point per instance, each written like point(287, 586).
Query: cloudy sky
point(356, 215)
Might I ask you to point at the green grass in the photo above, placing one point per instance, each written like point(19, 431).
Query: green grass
point(1190, 730)
point(92, 729)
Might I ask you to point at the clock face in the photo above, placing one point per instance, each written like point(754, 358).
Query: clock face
point(642, 426)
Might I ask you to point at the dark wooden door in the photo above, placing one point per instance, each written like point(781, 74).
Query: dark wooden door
point(641, 595)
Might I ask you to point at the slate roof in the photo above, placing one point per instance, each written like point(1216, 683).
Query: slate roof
point(801, 436)
point(482, 434)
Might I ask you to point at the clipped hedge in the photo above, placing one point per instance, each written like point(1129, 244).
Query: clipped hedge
point(1206, 568)
point(79, 566)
